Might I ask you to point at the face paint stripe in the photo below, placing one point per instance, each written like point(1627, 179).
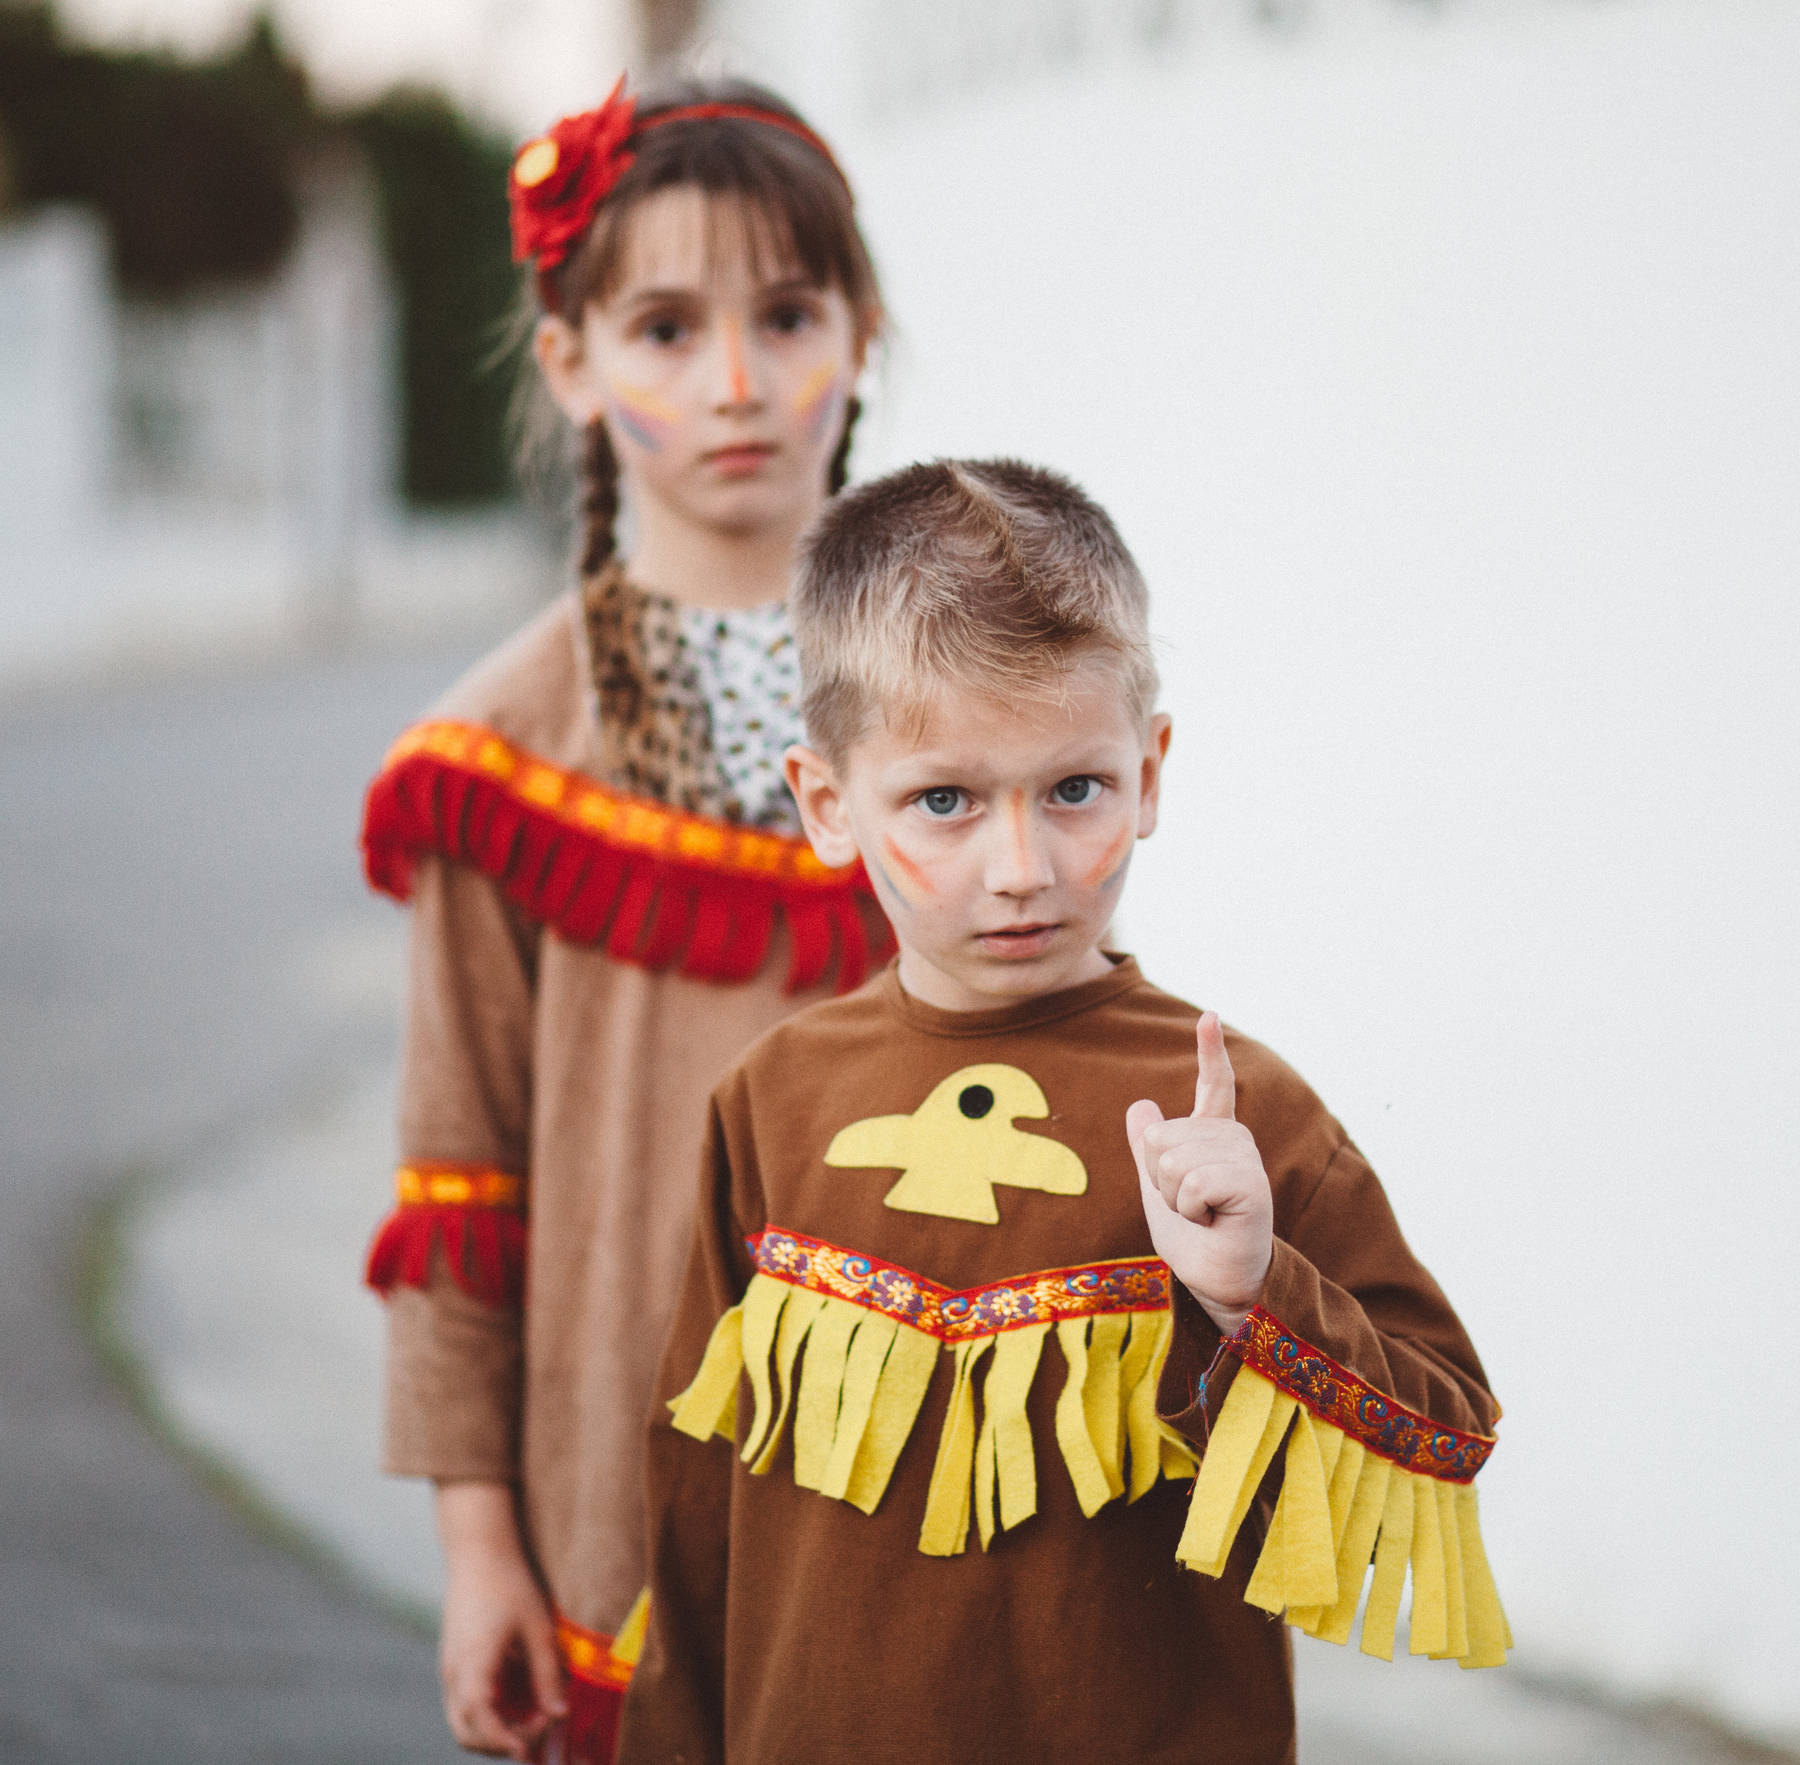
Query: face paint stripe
point(917, 877)
point(734, 349)
point(1112, 861)
point(818, 400)
point(639, 431)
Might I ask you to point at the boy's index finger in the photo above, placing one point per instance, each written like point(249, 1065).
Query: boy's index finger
point(1215, 1092)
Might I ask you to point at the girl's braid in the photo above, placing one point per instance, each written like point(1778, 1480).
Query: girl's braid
point(839, 474)
point(599, 499)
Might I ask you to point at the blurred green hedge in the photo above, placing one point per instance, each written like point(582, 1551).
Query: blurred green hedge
point(193, 166)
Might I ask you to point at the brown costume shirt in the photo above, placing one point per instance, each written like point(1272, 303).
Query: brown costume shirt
point(875, 1140)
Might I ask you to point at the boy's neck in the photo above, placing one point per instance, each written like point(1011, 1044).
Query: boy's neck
point(699, 566)
point(934, 986)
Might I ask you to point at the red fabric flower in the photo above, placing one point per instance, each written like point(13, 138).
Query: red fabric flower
point(560, 179)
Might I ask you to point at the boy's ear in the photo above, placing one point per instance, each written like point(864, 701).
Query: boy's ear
point(823, 812)
point(1156, 750)
point(563, 361)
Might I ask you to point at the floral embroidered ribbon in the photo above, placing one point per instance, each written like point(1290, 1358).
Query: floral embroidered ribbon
point(1130, 1285)
point(1339, 1398)
point(660, 887)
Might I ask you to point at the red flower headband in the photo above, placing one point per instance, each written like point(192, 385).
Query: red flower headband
point(559, 180)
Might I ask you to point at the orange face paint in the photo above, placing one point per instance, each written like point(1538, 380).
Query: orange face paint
point(1111, 861)
point(734, 359)
point(914, 875)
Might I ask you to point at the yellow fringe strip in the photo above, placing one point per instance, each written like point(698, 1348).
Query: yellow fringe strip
point(629, 1643)
point(848, 1384)
point(1339, 1504)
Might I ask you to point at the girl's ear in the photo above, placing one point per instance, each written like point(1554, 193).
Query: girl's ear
point(816, 789)
point(562, 358)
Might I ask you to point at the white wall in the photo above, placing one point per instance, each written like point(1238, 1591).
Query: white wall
point(1444, 373)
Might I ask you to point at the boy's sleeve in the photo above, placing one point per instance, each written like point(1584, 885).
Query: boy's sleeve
point(674, 1710)
point(1353, 1394)
point(449, 1258)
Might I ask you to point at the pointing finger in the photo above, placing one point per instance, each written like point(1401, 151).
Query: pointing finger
point(1215, 1092)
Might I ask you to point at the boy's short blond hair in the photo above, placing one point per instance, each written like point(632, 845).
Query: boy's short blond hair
point(985, 575)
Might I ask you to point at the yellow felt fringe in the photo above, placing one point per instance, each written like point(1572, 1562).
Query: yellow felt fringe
point(848, 1383)
point(628, 1645)
point(1339, 1505)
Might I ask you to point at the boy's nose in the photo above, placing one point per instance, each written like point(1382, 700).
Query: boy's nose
point(1018, 863)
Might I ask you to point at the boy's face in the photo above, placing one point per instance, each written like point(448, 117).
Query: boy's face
point(997, 837)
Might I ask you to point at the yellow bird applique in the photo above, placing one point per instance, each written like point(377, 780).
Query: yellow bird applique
point(959, 1143)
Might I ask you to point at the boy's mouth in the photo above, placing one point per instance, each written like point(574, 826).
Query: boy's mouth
point(1019, 941)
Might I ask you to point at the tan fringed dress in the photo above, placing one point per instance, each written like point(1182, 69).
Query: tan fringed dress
point(610, 901)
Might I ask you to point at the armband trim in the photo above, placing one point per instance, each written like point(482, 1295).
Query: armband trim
point(472, 1213)
point(1340, 1399)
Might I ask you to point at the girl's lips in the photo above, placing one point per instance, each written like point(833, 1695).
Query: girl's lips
point(744, 461)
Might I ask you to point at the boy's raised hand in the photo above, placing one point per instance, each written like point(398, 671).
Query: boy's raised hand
point(1206, 1194)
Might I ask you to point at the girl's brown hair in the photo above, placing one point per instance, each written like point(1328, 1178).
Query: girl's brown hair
point(794, 207)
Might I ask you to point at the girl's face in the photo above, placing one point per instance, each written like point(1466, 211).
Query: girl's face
point(722, 382)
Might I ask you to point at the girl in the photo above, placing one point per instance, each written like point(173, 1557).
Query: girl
point(610, 895)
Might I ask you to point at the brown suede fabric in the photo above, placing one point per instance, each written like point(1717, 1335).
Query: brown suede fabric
point(786, 1626)
point(589, 1078)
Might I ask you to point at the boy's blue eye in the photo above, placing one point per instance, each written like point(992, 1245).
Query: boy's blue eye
point(1075, 791)
point(944, 800)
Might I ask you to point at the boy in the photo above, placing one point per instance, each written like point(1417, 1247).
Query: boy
point(942, 1536)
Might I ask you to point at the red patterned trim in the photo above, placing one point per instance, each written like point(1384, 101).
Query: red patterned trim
point(473, 1212)
point(588, 1654)
point(1337, 1396)
point(1048, 1296)
point(658, 886)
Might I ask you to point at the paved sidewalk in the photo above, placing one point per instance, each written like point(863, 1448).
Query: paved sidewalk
point(240, 1295)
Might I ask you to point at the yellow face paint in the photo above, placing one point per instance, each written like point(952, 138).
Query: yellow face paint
point(643, 416)
point(817, 398)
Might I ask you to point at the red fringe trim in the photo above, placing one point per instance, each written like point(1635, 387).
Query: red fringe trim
point(484, 1247)
point(591, 1731)
point(659, 888)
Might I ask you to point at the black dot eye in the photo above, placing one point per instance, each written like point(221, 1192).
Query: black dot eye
point(975, 1101)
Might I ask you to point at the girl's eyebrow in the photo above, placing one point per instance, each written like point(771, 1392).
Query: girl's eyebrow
point(655, 296)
